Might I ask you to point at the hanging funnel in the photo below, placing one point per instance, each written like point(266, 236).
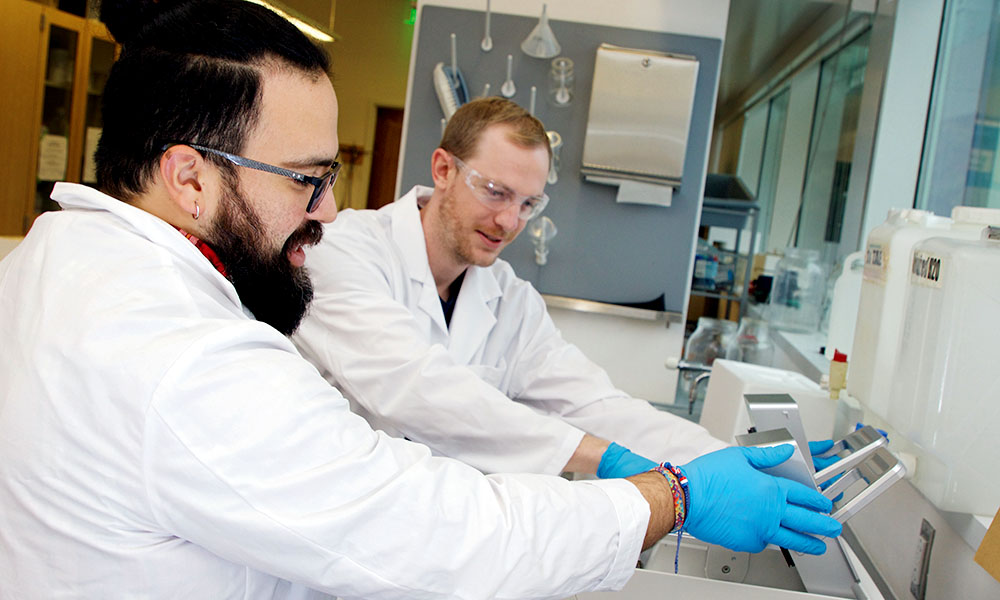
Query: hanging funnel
point(541, 42)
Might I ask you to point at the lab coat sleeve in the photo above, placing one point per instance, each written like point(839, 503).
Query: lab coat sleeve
point(555, 376)
point(370, 346)
point(251, 455)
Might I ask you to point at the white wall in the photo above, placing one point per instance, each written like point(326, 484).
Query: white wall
point(633, 351)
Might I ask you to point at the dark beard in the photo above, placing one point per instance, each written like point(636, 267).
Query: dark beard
point(276, 292)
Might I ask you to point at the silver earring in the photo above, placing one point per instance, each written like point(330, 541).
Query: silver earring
point(197, 211)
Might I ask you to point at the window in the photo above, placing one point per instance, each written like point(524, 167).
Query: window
point(831, 148)
point(959, 163)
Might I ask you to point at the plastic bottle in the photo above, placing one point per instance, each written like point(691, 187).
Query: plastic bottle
point(879, 325)
point(725, 277)
point(838, 374)
point(844, 305)
point(946, 382)
point(706, 267)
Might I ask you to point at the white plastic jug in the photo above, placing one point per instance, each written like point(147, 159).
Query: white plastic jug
point(946, 392)
point(844, 307)
point(880, 306)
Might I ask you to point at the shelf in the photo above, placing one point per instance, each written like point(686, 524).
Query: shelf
point(731, 253)
point(719, 295)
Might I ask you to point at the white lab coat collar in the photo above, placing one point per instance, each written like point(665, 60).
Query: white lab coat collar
point(148, 225)
point(473, 317)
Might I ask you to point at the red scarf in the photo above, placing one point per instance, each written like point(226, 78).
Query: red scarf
point(205, 249)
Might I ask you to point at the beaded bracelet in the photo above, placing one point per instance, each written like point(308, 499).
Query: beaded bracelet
point(683, 481)
point(678, 488)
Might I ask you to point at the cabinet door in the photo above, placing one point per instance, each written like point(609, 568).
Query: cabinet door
point(60, 144)
point(20, 52)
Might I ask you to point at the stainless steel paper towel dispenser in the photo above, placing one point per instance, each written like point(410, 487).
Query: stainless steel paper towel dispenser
point(640, 114)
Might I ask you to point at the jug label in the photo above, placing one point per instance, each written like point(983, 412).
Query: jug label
point(926, 269)
point(876, 259)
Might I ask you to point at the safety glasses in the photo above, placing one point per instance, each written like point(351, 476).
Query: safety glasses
point(498, 196)
point(320, 184)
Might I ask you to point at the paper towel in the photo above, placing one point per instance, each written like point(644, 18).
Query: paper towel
point(637, 192)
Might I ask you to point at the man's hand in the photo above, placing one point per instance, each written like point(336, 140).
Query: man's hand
point(735, 505)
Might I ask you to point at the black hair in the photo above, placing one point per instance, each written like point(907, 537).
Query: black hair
point(189, 71)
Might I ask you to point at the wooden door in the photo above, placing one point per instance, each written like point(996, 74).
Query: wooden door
point(385, 156)
point(20, 56)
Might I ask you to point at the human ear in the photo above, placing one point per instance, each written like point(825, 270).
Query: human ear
point(187, 178)
point(443, 168)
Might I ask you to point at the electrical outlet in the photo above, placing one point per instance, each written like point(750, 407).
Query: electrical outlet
point(918, 582)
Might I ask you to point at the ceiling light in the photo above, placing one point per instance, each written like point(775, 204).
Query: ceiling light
point(304, 27)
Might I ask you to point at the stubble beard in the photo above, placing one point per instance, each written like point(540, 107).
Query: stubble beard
point(459, 242)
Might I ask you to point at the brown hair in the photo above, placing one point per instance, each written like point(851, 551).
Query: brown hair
point(467, 125)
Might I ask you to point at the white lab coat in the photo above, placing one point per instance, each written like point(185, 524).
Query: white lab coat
point(156, 442)
point(376, 329)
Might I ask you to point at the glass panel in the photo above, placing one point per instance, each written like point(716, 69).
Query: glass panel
point(57, 102)
point(982, 187)
point(828, 167)
point(752, 147)
point(773, 140)
point(101, 57)
point(951, 122)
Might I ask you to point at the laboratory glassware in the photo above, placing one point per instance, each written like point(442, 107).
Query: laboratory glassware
point(798, 291)
point(541, 42)
point(561, 80)
point(752, 343)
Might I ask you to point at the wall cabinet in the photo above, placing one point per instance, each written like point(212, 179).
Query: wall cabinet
point(53, 67)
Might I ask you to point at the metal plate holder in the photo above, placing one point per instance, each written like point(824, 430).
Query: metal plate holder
point(831, 573)
point(864, 457)
point(864, 454)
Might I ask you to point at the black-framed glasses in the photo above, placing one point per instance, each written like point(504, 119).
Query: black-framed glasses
point(320, 184)
point(498, 196)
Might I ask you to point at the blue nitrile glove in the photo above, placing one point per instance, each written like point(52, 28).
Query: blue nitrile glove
point(819, 447)
point(619, 461)
point(822, 462)
point(884, 433)
point(735, 505)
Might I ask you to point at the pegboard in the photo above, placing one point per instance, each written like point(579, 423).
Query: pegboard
point(604, 251)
